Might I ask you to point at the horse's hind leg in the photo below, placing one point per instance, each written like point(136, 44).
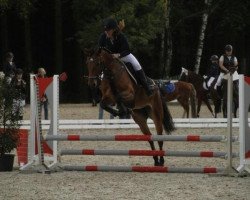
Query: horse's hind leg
point(157, 117)
point(208, 105)
point(185, 106)
point(140, 117)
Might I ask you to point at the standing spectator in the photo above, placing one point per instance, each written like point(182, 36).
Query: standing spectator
point(9, 67)
point(41, 73)
point(20, 85)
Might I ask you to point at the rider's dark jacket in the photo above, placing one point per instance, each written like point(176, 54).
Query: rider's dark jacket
point(118, 45)
point(213, 70)
point(228, 62)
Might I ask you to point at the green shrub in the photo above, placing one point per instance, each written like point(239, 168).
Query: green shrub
point(9, 118)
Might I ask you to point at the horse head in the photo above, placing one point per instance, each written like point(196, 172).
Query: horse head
point(93, 62)
point(184, 74)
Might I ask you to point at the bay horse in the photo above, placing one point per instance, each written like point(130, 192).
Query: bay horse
point(118, 86)
point(184, 93)
point(202, 94)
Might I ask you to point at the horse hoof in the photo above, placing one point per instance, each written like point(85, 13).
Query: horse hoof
point(157, 164)
point(161, 162)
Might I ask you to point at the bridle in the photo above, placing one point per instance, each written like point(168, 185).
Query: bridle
point(99, 64)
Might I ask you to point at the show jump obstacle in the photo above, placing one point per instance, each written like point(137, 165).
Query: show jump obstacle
point(49, 86)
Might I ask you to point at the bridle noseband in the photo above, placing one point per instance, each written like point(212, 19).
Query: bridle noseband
point(98, 63)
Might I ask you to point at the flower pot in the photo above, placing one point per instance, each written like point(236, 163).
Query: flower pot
point(7, 162)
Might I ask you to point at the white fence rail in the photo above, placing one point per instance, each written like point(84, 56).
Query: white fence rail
point(129, 123)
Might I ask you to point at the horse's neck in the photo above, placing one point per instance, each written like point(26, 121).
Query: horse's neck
point(118, 73)
point(195, 78)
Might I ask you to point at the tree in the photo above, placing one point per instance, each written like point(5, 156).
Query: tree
point(202, 36)
point(166, 41)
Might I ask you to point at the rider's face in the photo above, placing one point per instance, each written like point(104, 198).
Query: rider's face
point(109, 33)
point(229, 53)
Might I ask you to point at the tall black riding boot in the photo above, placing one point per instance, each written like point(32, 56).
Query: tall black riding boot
point(219, 91)
point(143, 80)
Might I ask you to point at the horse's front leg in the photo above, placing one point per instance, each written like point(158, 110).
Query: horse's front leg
point(140, 117)
point(108, 106)
point(108, 100)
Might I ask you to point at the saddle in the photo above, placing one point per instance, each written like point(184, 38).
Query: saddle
point(165, 86)
point(205, 82)
point(133, 76)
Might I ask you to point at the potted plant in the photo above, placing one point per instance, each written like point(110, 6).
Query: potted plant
point(10, 112)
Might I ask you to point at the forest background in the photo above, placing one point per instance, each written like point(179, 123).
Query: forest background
point(165, 35)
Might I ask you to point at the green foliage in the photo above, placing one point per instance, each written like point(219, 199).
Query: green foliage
point(4, 5)
point(143, 20)
point(235, 15)
point(9, 119)
point(23, 7)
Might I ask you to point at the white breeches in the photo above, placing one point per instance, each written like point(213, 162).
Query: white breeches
point(132, 59)
point(210, 81)
point(218, 82)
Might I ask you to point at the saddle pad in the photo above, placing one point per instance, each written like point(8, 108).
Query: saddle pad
point(169, 87)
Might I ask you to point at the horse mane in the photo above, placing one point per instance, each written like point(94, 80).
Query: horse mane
point(196, 76)
point(105, 49)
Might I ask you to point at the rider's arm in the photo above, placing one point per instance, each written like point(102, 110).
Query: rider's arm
point(224, 69)
point(102, 40)
point(235, 62)
point(124, 46)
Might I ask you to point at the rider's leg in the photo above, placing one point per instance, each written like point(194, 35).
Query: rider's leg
point(210, 81)
point(143, 79)
point(218, 82)
point(217, 85)
point(139, 72)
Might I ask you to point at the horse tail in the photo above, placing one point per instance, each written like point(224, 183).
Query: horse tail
point(168, 122)
point(193, 101)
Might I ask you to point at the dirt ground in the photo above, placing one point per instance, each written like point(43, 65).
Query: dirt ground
point(116, 185)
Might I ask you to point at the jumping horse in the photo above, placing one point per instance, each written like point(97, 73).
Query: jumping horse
point(201, 93)
point(118, 86)
point(183, 92)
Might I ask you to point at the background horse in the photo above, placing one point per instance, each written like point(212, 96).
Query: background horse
point(201, 93)
point(117, 86)
point(184, 93)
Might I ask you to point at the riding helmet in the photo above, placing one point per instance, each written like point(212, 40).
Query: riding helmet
point(228, 47)
point(9, 55)
point(109, 24)
point(19, 71)
point(214, 58)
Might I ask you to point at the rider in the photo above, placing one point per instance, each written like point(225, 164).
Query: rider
point(113, 40)
point(226, 61)
point(213, 70)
